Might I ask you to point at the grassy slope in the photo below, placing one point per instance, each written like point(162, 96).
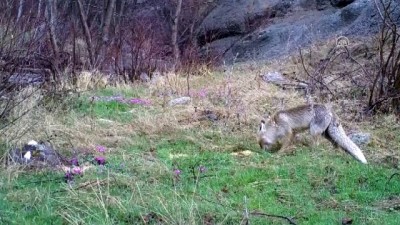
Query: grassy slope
point(315, 185)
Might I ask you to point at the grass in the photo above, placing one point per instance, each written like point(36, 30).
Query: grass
point(146, 144)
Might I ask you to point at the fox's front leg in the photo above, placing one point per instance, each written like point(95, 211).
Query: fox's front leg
point(286, 143)
point(315, 140)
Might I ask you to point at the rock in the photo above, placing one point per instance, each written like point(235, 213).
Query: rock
point(231, 18)
point(322, 4)
point(26, 79)
point(341, 3)
point(294, 32)
point(251, 29)
point(144, 77)
point(281, 81)
point(105, 120)
point(117, 98)
point(34, 153)
point(180, 101)
point(360, 138)
point(211, 116)
point(219, 47)
point(347, 221)
point(274, 77)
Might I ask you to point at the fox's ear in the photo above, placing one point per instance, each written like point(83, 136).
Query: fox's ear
point(262, 125)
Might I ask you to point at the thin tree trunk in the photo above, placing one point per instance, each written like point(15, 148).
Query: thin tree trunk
point(20, 9)
point(51, 23)
point(105, 25)
point(39, 9)
point(107, 20)
point(86, 31)
point(51, 15)
point(174, 37)
point(120, 15)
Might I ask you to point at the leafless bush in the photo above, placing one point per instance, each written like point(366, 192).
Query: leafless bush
point(370, 74)
point(20, 65)
point(338, 74)
point(384, 92)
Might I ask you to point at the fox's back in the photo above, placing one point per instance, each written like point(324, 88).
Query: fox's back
point(300, 117)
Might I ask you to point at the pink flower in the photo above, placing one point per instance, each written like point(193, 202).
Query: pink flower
point(76, 170)
point(202, 93)
point(74, 161)
point(101, 148)
point(177, 172)
point(202, 169)
point(69, 177)
point(100, 160)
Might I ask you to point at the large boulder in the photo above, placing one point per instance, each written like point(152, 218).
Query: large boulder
point(264, 29)
point(230, 18)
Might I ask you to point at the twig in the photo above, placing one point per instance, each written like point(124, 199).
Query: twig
point(87, 184)
point(391, 177)
point(38, 181)
point(392, 27)
point(313, 76)
point(254, 213)
point(289, 219)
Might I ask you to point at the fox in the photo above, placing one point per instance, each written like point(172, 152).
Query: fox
point(278, 131)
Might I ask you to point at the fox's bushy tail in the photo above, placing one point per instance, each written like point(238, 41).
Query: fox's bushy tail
point(339, 137)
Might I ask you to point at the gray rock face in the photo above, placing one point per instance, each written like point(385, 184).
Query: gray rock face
point(341, 3)
point(232, 18)
point(264, 29)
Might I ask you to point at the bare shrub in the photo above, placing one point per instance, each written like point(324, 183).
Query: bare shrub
point(384, 92)
point(336, 72)
point(353, 70)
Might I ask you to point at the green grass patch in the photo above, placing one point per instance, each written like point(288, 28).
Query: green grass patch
point(138, 186)
point(191, 176)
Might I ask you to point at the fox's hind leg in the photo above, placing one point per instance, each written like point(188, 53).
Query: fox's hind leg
point(319, 124)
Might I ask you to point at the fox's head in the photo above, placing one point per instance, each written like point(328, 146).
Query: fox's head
point(267, 134)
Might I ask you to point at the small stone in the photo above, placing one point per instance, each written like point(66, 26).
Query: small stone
point(360, 138)
point(144, 77)
point(347, 221)
point(180, 101)
point(274, 77)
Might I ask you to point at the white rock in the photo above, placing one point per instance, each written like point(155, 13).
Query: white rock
point(180, 101)
point(28, 155)
point(33, 143)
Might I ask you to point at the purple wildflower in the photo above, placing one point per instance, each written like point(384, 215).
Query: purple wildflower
point(74, 161)
point(202, 93)
point(177, 172)
point(68, 177)
point(100, 160)
point(101, 148)
point(76, 171)
point(202, 169)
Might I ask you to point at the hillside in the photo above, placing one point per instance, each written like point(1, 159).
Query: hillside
point(197, 163)
point(140, 122)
